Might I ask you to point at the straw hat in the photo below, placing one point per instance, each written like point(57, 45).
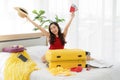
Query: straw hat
point(21, 12)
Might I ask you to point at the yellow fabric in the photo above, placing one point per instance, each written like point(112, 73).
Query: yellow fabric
point(65, 54)
point(60, 71)
point(67, 64)
point(16, 69)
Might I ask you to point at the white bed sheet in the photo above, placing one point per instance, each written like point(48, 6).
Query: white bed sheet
point(94, 74)
point(43, 74)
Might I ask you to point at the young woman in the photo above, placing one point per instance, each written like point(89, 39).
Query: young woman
point(55, 36)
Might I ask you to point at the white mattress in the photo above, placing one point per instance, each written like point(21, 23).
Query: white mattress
point(37, 51)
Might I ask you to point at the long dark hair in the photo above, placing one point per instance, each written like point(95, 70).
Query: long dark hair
point(52, 36)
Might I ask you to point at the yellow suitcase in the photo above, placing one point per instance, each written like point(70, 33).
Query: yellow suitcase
point(65, 54)
point(67, 64)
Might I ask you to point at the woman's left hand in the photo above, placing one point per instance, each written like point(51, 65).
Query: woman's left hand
point(72, 15)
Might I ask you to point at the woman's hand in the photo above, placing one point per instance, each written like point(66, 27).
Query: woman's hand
point(27, 17)
point(72, 15)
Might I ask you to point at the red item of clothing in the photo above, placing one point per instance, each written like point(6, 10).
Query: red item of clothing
point(76, 69)
point(57, 44)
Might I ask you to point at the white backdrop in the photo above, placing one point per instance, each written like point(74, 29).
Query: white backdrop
point(95, 27)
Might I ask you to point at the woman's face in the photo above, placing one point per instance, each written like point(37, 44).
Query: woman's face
point(54, 29)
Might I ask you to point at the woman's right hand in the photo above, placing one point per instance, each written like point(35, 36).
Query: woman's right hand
point(28, 18)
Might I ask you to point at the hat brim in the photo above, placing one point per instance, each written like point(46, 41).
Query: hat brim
point(21, 11)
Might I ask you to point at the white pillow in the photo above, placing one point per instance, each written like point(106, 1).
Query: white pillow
point(36, 52)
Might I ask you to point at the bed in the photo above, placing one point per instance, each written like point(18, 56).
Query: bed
point(37, 45)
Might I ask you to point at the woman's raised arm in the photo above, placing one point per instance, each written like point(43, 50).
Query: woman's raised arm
point(68, 24)
point(46, 33)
